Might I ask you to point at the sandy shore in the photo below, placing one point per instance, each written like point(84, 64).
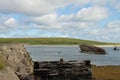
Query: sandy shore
point(107, 45)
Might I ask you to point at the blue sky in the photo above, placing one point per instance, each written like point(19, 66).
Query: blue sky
point(83, 19)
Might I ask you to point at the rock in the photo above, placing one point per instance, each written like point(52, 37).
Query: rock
point(8, 74)
point(92, 49)
point(17, 59)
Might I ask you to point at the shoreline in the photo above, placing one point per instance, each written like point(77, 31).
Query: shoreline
point(107, 45)
point(74, 45)
point(55, 45)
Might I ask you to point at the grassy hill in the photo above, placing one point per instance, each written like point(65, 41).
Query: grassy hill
point(51, 41)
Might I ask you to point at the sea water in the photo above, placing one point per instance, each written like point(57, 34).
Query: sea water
point(54, 53)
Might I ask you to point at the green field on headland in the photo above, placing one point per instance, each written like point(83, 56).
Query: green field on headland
point(51, 41)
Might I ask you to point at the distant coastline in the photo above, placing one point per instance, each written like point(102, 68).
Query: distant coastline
point(74, 45)
point(54, 45)
point(52, 41)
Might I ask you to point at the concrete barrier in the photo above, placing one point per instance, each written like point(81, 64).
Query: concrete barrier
point(62, 70)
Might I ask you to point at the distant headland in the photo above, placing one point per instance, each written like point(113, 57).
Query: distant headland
point(52, 41)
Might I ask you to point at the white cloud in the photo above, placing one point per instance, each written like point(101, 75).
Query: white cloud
point(114, 24)
point(30, 7)
point(114, 27)
point(1, 28)
point(40, 7)
point(90, 14)
point(115, 4)
point(94, 13)
point(70, 24)
point(46, 19)
point(108, 33)
point(100, 2)
point(10, 22)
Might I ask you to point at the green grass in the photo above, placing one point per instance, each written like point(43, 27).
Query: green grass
point(51, 41)
point(2, 64)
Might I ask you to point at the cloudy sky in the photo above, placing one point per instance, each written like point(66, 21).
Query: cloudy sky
point(84, 19)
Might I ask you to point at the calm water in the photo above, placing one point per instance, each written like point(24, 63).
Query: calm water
point(53, 53)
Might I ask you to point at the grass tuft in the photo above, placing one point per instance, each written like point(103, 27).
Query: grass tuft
point(2, 64)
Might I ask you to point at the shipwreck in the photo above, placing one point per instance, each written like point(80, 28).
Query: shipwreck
point(91, 49)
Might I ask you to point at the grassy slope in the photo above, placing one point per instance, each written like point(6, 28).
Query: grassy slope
point(50, 41)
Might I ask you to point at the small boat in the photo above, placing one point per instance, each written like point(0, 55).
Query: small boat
point(59, 52)
point(115, 48)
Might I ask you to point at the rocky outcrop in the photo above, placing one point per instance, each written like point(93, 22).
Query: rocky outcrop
point(92, 49)
point(8, 74)
point(18, 63)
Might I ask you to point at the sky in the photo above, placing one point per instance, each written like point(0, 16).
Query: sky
point(97, 20)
